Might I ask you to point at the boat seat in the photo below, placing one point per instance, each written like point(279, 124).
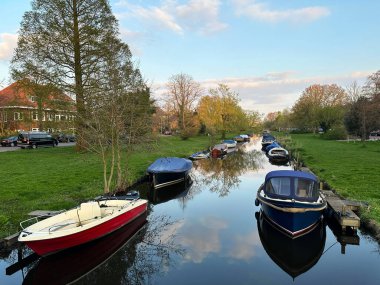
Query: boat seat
point(302, 193)
point(88, 211)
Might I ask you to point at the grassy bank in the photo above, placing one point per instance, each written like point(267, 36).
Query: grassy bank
point(351, 168)
point(60, 178)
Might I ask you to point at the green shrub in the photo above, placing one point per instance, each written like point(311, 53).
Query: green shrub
point(336, 133)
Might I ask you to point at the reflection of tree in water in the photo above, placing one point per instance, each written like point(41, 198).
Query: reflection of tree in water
point(146, 255)
point(222, 175)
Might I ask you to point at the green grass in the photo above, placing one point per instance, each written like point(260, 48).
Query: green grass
point(60, 178)
point(350, 168)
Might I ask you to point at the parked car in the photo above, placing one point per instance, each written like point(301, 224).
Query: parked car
point(11, 141)
point(61, 137)
point(36, 139)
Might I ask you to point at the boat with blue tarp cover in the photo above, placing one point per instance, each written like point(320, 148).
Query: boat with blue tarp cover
point(168, 171)
point(272, 145)
point(291, 200)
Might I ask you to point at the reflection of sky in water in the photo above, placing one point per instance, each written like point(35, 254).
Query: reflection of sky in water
point(220, 235)
point(215, 223)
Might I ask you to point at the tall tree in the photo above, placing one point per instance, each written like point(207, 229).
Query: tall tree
point(320, 106)
point(64, 42)
point(220, 111)
point(183, 94)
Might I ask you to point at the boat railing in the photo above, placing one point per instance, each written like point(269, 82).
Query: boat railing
point(33, 220)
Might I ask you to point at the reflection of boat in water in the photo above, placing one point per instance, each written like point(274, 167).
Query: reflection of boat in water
point(72, 264)
point(176, 191)
point(294, 256)
point(292, 200)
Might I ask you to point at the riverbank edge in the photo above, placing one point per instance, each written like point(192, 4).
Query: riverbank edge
point(367, 226)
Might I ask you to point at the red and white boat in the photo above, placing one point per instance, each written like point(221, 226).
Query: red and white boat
point(89, 221)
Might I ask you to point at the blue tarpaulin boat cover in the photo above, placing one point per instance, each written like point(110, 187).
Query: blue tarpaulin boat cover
point(170, 164)
point(290, 173)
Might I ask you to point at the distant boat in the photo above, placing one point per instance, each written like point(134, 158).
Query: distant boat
point(272, 145)
point(219, 150)
point(267, 140)
point(229, 143)
point(200, 155)
point(169, 170)
point(291, 200)
point(239, 138)
point(278, 155)
point(87, 222)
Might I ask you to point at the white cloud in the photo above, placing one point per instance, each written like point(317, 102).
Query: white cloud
point(202, 238)
point(8, 42)
point(195, 15)
point(201, 15)
point(274, 91)
point(260, 11)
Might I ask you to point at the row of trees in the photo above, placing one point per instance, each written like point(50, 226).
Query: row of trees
point(216, 112)
point(74, 45)
point(354, 110)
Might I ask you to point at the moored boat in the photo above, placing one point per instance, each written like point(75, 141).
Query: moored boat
point(229, 143)
point(87, 222)
point(291, 200)
point(168, 171)
point(200, 155)
point(278, 154)
point(73, 264)
point(267, 140)
point(219, 150)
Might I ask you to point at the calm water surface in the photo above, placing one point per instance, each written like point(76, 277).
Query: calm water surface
point(208, 233)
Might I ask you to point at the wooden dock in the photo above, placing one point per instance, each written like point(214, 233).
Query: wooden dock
point(342, 210)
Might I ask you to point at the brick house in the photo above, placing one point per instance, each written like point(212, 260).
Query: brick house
point(24, 109)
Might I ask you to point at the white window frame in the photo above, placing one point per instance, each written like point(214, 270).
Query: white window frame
point(18, 116)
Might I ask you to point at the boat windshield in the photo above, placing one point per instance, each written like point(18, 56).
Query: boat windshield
point(306, 189)
point(292, 187)
point(278, 186)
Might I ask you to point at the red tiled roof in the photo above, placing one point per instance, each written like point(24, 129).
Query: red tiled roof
point(13, 95)
point(16, 95)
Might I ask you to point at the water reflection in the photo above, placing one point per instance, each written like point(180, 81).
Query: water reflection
point(294, 256)
point(222, 175)
point(177, 191)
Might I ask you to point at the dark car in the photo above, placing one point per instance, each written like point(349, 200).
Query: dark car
point(65, 137)
point(11, 141)
point(36, 139)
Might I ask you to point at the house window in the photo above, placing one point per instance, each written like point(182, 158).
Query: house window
point(57, 118)
point(33, 98)
point(50, 117)
point(3, 116)
point(17, 116)
point(35, 116)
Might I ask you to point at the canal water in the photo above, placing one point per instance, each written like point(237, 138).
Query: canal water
point(209, 232)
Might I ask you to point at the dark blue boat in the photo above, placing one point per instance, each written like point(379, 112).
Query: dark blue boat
point(168, 171)
point(291, 200)
point(272, 145)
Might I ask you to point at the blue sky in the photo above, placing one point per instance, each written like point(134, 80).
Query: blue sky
point(268, 51)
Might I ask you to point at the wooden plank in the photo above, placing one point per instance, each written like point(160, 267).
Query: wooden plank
point(342, 210)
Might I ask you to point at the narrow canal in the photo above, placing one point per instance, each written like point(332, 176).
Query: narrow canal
point(208, 233)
